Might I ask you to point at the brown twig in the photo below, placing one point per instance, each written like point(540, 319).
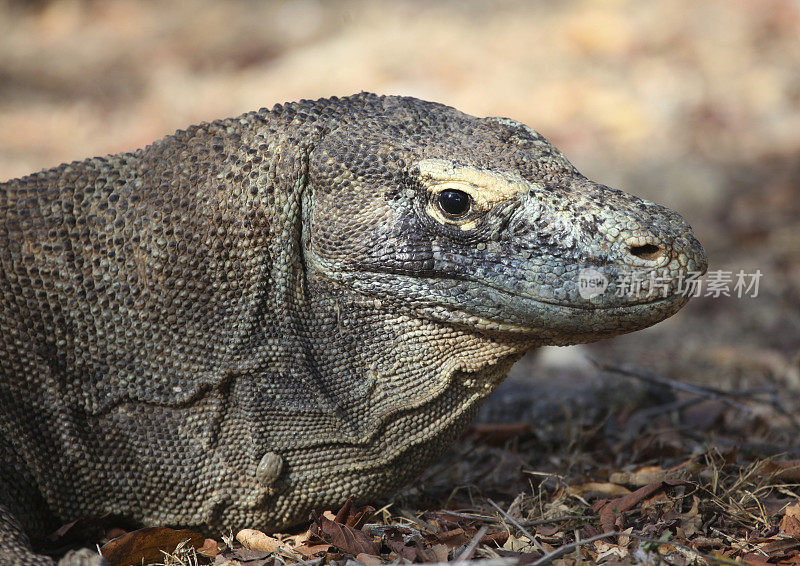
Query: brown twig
point(473, 544)
point(522, 529)
point(567, 548)
point(701, 390)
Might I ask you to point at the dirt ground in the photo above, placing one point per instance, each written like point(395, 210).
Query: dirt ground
point(695, 105)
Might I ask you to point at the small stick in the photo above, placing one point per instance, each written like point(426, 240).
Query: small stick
point(522, 529)
point(704, 391)
point(554, 520)
point(567, 548)
point(473, 544)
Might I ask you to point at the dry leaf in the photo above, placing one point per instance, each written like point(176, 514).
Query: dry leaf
point(351, 517)
point(657, 500)
point(498, 538)
point(609, 508)
point(209, 549)
point(147, 545)
point(649, 470)
point(605, 488)
point(346, 539)
point(788, 471)
point(790, 526)
point(623, 540)
point(369, 559)
point(440, 552)
point(706, 542)
point(256, 540)
point(691, 521)
point(547, 546)
point(115, 532)
point(453, 538)
point(402, 542)
point(344, 512)
point(606, 551)
point(778, 545)
point(516, 544)
point(310, 551)
point(297, 540)
point(664, 549)
point(548, 530)
point(87, 528)
point(642, 476)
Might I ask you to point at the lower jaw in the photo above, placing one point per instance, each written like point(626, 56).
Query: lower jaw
point(549, 323)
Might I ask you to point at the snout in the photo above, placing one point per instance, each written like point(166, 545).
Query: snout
point(634, 233)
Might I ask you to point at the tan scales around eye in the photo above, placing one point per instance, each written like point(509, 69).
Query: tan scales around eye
point(484, 186)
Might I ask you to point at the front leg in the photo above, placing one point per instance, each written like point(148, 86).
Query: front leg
point(21, 504)
point(16, 550)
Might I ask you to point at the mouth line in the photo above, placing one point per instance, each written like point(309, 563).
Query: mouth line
point(525, 329)
point(597, 308)
point(496, 289)
point(335, 272)
point(572, 306)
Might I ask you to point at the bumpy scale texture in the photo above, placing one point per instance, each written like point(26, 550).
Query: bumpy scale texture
point(263, 315)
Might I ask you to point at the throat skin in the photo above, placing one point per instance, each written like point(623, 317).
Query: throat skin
point(375, 415)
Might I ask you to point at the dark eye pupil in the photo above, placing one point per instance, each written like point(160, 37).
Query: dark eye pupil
point(453, 202)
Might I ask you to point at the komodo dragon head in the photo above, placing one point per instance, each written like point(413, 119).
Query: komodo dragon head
point(482, 223)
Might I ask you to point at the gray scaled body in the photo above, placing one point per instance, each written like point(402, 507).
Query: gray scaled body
point(261, 316)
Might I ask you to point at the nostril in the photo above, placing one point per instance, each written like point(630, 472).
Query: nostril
point(648, 251)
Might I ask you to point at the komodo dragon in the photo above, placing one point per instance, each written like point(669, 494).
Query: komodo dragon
point(259, 316)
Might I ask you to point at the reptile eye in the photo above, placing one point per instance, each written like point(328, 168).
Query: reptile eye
point(454, 203)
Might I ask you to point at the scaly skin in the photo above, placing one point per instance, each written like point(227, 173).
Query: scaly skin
point(260, 316)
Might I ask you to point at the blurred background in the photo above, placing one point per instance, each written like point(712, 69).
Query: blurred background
point(693, 104)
